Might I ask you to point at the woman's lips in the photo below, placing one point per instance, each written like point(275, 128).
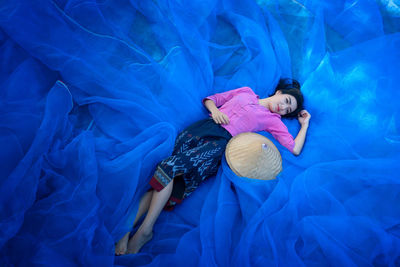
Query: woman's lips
point(277, 108)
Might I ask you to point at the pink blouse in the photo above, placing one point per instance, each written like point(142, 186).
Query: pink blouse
point(247, 115)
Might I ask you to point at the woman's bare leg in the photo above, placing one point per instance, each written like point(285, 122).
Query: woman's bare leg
point(145, 231)
point(143, 206)
point(122, 245)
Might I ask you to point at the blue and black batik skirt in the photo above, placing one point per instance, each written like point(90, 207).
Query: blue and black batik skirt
point(196, 156)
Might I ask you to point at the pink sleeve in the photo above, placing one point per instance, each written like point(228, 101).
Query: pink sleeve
point(221, 98)
point(280, 132)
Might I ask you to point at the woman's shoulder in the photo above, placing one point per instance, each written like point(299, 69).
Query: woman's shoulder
point(245, 90)
point(248, 90)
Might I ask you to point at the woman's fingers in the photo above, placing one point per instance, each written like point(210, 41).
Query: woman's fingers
point(220, 118)
point(304, 113)
point(304, 117)
point(225, 119)
point(214, 118)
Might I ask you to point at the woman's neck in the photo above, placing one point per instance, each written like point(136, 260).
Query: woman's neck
point(264, 102)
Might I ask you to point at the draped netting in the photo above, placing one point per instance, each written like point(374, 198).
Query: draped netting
point(93, 94)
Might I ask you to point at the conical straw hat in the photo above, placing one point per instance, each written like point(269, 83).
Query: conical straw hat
point(254, 156)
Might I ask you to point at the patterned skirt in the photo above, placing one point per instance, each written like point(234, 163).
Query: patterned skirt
point(196, 156)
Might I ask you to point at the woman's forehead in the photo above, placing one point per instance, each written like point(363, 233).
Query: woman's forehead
point(292, 99)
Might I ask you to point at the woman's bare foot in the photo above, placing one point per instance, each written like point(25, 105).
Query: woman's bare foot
point(122, 245)
point(137, 241)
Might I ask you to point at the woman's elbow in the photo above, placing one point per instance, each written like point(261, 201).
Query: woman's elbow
point(296, 151)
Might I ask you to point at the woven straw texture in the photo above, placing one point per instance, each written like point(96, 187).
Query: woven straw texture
point(253, 156)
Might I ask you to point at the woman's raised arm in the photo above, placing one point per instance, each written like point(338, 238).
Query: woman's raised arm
point(304, 118)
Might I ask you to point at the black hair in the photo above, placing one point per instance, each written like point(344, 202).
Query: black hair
point(291, 87)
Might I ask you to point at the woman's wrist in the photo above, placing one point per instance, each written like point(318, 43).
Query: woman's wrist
point(304, 125)
point(214, 110)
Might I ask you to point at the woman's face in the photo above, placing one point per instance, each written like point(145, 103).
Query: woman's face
point(282, 103)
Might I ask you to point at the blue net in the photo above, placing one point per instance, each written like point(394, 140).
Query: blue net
point(93, 94)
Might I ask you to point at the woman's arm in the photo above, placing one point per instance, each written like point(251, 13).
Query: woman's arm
point(210, 105)
point(216, 114)
point(304, 118)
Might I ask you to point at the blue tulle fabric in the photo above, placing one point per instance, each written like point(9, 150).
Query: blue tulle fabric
point(93, 94)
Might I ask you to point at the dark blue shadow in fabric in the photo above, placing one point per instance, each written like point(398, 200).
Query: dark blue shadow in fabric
point(93, 94)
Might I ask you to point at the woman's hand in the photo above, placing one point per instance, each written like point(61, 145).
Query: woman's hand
point(304, 117)
point(220, 117)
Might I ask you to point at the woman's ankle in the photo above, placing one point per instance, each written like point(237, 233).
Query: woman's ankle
point(145, 230)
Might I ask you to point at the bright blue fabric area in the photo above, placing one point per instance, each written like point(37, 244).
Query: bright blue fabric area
point(93, 94)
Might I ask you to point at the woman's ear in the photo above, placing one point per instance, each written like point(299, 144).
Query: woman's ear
point(278, 92)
